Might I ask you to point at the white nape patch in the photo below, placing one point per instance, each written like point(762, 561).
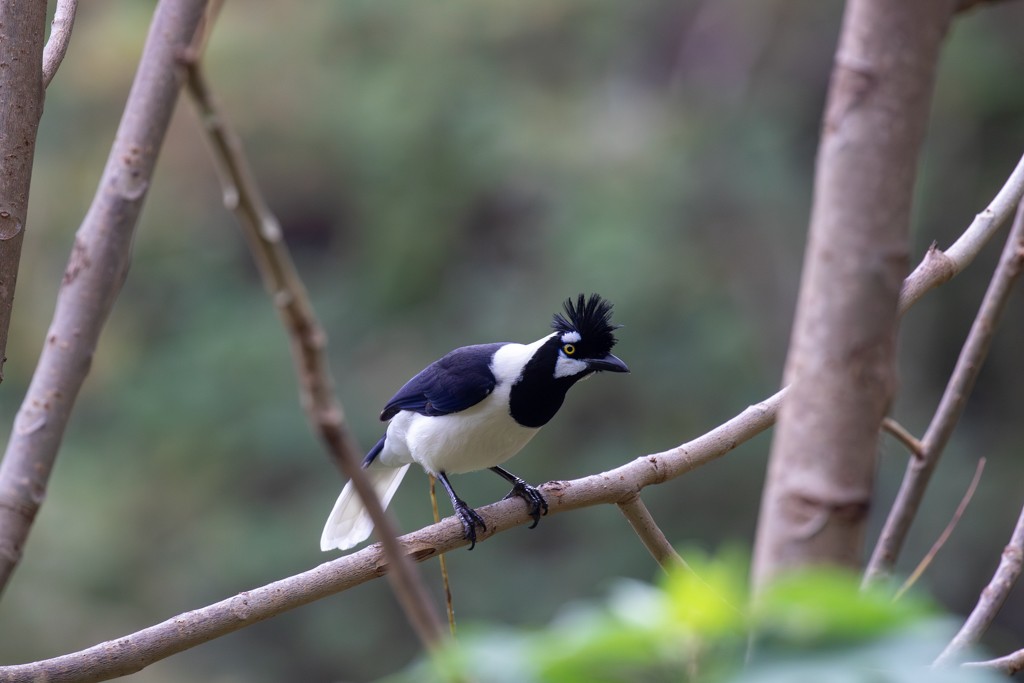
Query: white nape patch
point(509, 361)
point(567, 367)
point(571, 337)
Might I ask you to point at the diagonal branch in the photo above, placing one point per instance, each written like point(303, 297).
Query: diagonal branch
point(992, 598)
point(951, 405)
point(308, 341)
point(134, 652)
point(939, 266)
point(60, 37)
point(95, 271)
point(927, 560)
point(1008, 664)
point(650, 533)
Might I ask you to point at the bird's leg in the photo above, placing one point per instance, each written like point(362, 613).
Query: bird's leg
point(467, 515)
point(535, 503)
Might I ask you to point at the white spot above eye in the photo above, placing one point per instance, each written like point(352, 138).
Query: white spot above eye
point(567, 367)
point(571, 337)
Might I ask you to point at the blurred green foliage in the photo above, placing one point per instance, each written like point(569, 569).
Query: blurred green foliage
point(813, 626)
point(447, 173)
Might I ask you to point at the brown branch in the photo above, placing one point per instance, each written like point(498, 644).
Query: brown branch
point(95, 271)
point(939, 266)
point(991, 599)
point(841, 360)
point(650, 534)
point(134, 652)
point(60, 37)
point(21, 50)
point(308, 342)
point(951, 405)
point(926, 561)
point(900, 433)
point(1008, 664)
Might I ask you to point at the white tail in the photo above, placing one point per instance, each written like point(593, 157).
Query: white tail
point(349, 524)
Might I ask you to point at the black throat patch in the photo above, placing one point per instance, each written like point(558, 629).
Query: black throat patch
point(538, 394)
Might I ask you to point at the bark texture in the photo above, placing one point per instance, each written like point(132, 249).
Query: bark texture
point(96, 269)
point(840, 366)
point(22, 31)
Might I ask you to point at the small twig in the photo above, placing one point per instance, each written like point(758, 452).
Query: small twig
point(992, 598)
point(944, 536)
point(647, 529)
point(60, 37)
point(900, 433)
point(308, 342)
point(1007, 664)
point(442, 559)
point(951, 405)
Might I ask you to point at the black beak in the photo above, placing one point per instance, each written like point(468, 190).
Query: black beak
point(608, 364)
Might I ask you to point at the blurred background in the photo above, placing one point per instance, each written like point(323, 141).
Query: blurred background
point(448, 173)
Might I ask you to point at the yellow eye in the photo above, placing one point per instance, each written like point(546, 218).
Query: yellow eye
point(569, 349)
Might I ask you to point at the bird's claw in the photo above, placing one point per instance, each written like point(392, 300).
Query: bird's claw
point(535, 503)
point(470, 521)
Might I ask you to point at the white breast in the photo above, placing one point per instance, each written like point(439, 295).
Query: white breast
point(479, 437)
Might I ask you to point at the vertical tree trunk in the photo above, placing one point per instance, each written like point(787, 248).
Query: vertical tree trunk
point(840, 365)
point(22, 29)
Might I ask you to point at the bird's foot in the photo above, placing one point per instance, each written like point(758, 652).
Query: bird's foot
point(535, 503)
point(470, 521)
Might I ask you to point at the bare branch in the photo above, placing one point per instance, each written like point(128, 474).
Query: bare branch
point(992, 598)
point(308, 342)
point(951, 405)
point(1007, 664)
point(60, 37)
point(841, 360)
point(95, 271)
point(901, 434)
point(134, 652)
point(647, 529)
point(923, 565)
point(938, 267)
point(21, 50)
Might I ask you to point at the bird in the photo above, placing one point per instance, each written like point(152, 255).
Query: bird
point(475, 408)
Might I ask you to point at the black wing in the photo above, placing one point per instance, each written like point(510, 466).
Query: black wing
point(457, 381)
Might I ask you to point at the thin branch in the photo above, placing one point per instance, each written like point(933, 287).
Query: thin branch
point(900, 433)
point(647, 529)
point(925, 562)
point(308, 342)
point(951, 405)
point(448, 603)
point(992, 598)
point(60, 37)
point(136, 651)
point(1007, 664)
point(95, 272)
point(939, 266)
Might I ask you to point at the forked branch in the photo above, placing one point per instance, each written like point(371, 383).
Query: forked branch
point(951, 406)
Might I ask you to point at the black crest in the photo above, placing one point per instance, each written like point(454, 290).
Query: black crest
point(591, 318)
